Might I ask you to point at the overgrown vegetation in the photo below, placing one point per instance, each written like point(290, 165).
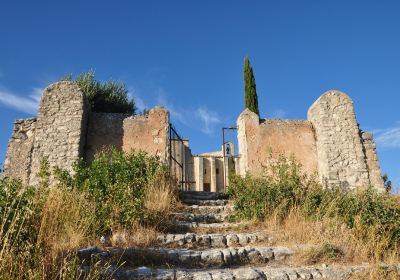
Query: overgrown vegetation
point(108, 97)
point(372, 218)
point(42, 228)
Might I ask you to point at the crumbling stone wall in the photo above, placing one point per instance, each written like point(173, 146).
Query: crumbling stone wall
point(263, 141)
point(147, 133)
point(374, 169)
point(19, 151)
point(60, 127)
point(341, 157)
point(330, 142)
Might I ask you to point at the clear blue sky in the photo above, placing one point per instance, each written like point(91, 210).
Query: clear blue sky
point(188, 56)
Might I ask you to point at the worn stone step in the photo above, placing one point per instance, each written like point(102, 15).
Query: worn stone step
point(199, 218)
point(203, 195)
point(201, 202)
point(224, 257)
point(336, 272)
point(183, 226)
point(213, 240)
point(196, 209)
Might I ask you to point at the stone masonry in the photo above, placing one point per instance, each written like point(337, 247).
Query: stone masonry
point(59, 132)
point(65, 130)
point(19, 152)
point(341, 153)
point(329, 143)
point(147, 133)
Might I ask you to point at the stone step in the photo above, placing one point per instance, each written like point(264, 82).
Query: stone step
point(203, 195)
point(196, 209)
point(201, 202)
point(213, 240)
point(337, 272)
point(198, 218)
point(189, 258)
point(183, 226)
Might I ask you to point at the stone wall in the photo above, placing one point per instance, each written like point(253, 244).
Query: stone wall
point(60, 127)
point(263, 141)
point(329, 142)
point(19, 151)
point(104, 130)
point(147, 133)
point(341, 157)
point(374, 170)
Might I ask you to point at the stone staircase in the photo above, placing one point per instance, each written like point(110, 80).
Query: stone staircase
point(225, 253)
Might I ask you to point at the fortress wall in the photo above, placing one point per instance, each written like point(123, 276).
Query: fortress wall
point(341, 158)
point(258, 141)
point(19, 151)
point(60, 127)
point(147, 133)
point(374, 169)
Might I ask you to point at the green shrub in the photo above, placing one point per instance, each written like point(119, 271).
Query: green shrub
point(278, 192)
point(42, 227)
point(108, 97)
point(116, 181)
point(368, 212)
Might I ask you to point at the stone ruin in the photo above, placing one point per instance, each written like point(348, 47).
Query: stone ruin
point(329, 143)
point(65, 130)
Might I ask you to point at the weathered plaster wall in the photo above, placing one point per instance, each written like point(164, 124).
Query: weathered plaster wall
point(219, 164)
point(259, 140)
point(375, 175)
point(104, 129)
point(147, 133)
point(248, 128)
point(19, 151)
point(199, 172)
point(60, 127)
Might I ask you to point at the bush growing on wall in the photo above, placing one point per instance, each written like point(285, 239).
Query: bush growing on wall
point(108, 97)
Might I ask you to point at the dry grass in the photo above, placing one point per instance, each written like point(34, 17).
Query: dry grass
point(48, 238)
point(377, 272)
point(65, 221)
point(332, 242)
point(160, 197)
point(138, 236)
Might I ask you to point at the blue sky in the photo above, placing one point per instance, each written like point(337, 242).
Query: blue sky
point(188, 56)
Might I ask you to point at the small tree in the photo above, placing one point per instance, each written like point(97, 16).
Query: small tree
point(250, 92)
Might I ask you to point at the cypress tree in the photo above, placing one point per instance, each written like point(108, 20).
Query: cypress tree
point(250, 92)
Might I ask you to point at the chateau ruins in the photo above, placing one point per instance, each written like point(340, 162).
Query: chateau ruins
point(329, 142)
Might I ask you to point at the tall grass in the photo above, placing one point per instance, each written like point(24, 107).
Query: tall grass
point(370, 219)
point(42, 228)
